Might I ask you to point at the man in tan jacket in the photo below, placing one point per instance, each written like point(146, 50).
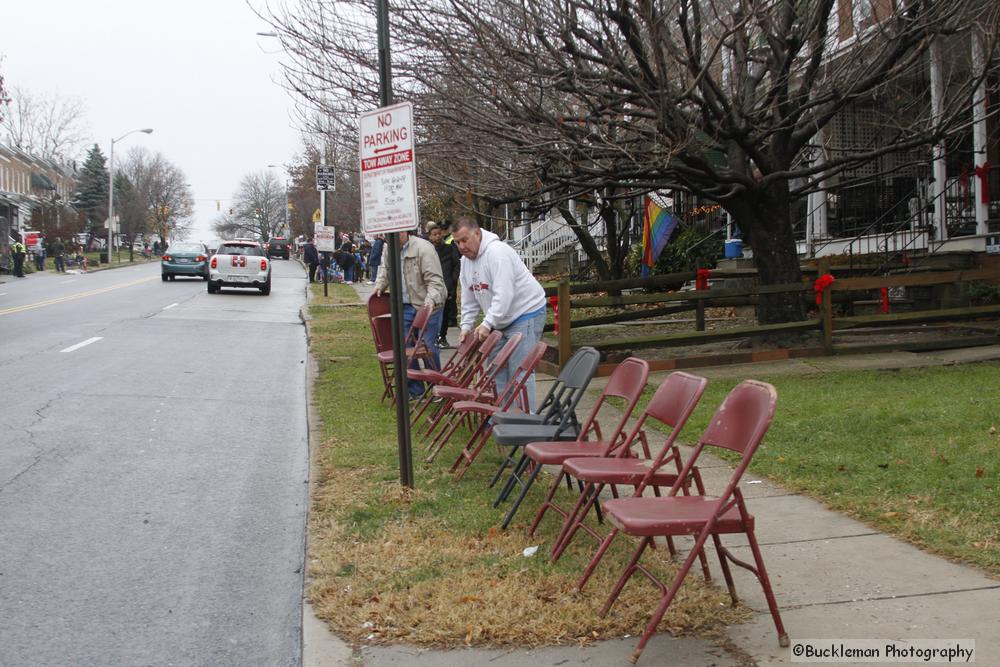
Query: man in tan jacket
point(423, 284)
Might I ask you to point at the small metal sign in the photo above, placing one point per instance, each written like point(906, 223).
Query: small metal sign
point(326, 177)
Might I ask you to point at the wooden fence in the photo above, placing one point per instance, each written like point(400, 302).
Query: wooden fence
point(842, 290)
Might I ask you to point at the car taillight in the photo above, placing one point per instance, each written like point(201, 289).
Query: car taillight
point(215, 262)
point(167, 258)
point(263, 265)
point(199, 258)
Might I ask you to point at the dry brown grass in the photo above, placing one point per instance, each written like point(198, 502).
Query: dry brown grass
point(419, 583)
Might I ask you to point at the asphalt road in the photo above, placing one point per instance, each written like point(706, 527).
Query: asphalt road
point(153, 469)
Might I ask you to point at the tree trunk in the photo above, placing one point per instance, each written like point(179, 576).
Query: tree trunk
point(586, 242)
point(763, 217)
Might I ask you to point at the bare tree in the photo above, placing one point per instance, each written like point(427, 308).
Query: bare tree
point(46, 125)
point(258, 208)
point(547, 100)
point(164, 190)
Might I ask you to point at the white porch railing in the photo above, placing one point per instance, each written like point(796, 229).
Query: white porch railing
point(552, 235)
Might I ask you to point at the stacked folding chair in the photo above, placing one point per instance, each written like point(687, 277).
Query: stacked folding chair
point(557, 409)
point(513, 393)
point(483, 391)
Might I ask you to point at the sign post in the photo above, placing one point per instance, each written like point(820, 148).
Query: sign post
point(389, 206)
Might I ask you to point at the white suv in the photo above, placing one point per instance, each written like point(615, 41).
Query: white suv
point(239, 264)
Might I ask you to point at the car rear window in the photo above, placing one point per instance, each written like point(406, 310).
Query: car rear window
point(251, 250)
point(185, 247)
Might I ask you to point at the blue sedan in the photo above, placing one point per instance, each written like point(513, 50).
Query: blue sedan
point(184, 259)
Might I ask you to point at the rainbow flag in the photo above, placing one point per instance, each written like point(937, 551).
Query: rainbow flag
point(657, 226)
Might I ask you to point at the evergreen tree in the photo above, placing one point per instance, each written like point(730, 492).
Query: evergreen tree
point(91, 196)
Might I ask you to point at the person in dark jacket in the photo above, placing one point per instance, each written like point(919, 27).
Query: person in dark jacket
point(375, 258)
point(346, 260)
point(311, 257)
point(451, 266)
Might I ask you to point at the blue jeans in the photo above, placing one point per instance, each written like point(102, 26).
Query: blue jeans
point(430, 337)
point(532, 330)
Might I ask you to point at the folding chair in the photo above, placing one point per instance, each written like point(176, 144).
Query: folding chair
point(471, 379)
point(558, 422)
point(739, 425)
point(626, 382)
point(560, 401)
point(484, 390)
point(456, 372)
point(558, 406)
point(671, 405)
point(381, 326)
point(413, 344)
point(513, 393)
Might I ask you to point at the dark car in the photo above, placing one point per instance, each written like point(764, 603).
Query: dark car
point(184, 259)
point(278, 247)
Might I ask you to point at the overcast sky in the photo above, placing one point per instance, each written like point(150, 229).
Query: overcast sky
point(193, 70)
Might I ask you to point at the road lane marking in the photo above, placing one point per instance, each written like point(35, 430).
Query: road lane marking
point(71, 297)
point(170, 306)
point(66, 282)
point(74, 348)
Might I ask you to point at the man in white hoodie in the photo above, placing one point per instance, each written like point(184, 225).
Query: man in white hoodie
point(496, 283)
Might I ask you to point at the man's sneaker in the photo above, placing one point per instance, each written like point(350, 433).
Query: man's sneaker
point(443, 344)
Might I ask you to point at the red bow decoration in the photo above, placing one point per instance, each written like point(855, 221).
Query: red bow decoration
point(554, 302)
point(701, 282)
point(885, 299)
point(820, 286)
point(983, 173)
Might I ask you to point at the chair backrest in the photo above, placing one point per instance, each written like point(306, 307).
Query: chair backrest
point(457, 365)
point(498, 362)
point(381, 326)
point(672, 404)
point(626, 382)
point(559, 404)
point(378, 305)
point(739, 425)
point(515, 384)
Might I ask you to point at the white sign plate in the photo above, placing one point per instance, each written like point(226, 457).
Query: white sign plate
point(324, 238)
point(388, 170)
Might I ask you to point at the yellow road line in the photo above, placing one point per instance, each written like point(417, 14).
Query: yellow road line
point(71, 297)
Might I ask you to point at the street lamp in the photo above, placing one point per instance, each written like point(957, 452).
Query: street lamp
point(111, 186)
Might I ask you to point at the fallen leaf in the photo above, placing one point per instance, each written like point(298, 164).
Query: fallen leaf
point(890, 515)
point(979, 472)
point(993, 430)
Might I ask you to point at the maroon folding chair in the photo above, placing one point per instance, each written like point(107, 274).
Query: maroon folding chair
point(513, 393)
point(381, 326)
point(413, 344)
point(738, 425)
point(483, 391)
point(626, 382)
point(671, 405)
point(458, 371)
point(471, 379)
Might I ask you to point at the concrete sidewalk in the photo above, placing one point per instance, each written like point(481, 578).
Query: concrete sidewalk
point(833, 577)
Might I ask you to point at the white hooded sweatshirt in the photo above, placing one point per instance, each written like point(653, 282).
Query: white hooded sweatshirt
point(498, 284)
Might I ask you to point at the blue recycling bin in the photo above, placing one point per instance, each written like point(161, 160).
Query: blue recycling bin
point(733, 248)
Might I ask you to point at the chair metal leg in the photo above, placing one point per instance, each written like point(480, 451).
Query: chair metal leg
point(765, 583)
point(526, 485)
point(626, 575)
point(547, 503)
